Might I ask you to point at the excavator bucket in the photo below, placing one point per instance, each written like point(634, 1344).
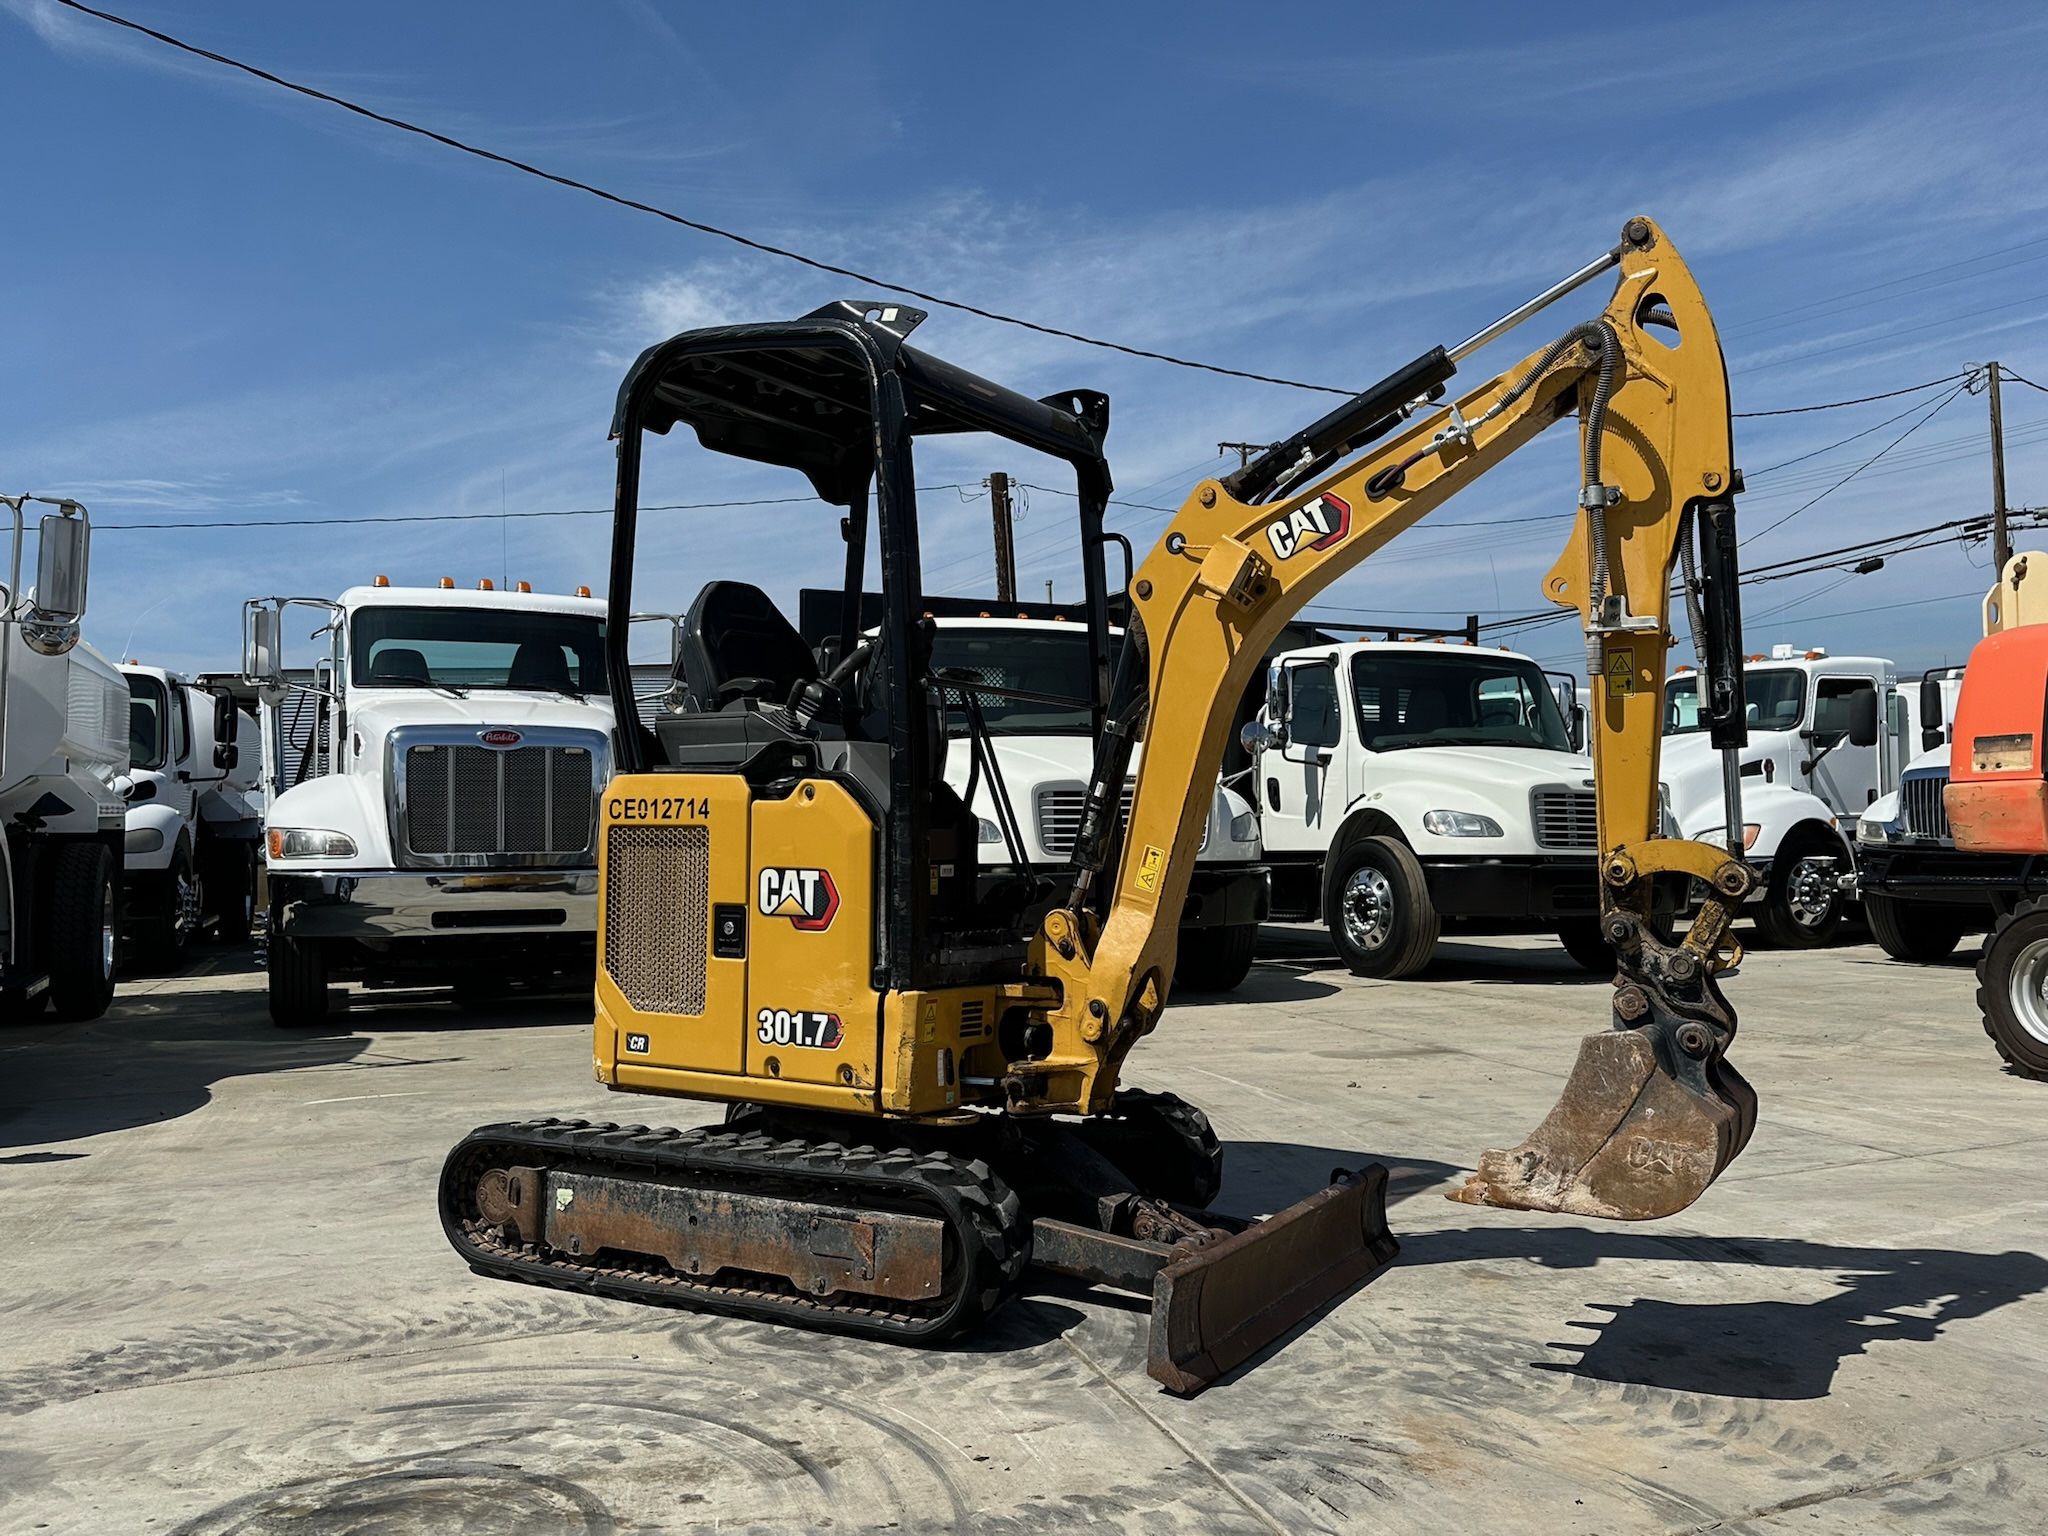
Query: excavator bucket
point(1629, 1141)
point(1227, 1300)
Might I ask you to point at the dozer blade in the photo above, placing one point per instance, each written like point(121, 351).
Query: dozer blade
point(1223, 1303)
point(1628, 1141)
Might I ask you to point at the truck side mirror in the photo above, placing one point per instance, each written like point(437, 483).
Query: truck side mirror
point(227, 720)
point(261, 659)
point(63, 554)
point(226, 755)
point(1578, 727)
point(1930, 705)
point(1863, 718)
point(1257, 736)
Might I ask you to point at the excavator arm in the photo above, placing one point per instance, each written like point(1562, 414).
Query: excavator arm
point(1652, 1112)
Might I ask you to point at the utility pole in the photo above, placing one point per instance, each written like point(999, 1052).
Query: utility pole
point(1244, 451)
point(2001, 542)
point(1006, 548)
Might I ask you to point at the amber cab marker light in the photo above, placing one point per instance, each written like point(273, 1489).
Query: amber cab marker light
point(447, 583)
point(380, 581)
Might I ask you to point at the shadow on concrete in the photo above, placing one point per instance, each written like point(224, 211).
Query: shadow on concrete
point(153, 1057)
point(1785, 1350)
point(1268, 982)
point(1260, 1177)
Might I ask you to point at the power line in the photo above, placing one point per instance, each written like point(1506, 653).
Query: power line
point(474, 517)
point(1771, 469)
point(1887, 448)
point(447, 141)
point(1836, 405)
point(2017, 379)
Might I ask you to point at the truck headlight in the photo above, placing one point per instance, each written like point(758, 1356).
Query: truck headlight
point(987, 831)
point(1460, 824)
point(1244, 826)
point(1873, 833)
point(1751, 831)
point(310, 843)
point(143, 839)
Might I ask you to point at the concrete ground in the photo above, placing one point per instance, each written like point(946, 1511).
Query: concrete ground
point(226, 1305)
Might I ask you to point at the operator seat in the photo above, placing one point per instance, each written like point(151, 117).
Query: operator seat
point(738, 646)
point(400, 664)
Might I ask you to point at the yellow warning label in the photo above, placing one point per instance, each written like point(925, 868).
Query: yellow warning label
point(928, 1030)
point(1150, 861)
point(1621, 674)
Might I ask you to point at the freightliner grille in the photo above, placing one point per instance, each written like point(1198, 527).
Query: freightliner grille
point(1059, 817)
point(482, 800)
point(657, 916)
point(1920, 806)
point(1565, 818)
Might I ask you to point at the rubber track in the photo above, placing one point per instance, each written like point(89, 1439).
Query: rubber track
point(984, 1216)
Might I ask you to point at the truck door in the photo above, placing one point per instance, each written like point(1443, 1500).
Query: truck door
point(178, 790)
point(1848, 776)
point(1301, 780)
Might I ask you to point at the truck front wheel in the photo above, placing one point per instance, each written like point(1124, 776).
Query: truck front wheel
point(1922, 932)
point(1215, 959)
point(2012, 988)
point(298, 981)
point(1803, 906)
point(1585, 943)
point(80, 948)
point(1378, 909)
point(168, 933)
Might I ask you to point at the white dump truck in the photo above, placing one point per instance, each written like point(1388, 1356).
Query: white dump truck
point(63, 751)
point(1827, 736)
point(1404, 784)
point(1044, 749)
point(194, 816)
point(430, 789)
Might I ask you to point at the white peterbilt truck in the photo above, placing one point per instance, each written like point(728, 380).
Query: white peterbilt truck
point(430, 789)
point(1404, 783)
point(1828, 735)
point(63, 749)
point(194, 816)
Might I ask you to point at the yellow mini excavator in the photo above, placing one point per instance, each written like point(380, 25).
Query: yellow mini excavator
point(918, 1038)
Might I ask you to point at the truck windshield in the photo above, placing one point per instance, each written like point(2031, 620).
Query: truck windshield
point(147, 722)
point(1052, 662)
point(1459, 698)
point(1776, 698)
point(477, 648)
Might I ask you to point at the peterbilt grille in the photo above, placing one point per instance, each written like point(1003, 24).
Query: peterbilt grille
point(1920, 806)
point(657, 916)
point(480, 800)
point(1565, 818)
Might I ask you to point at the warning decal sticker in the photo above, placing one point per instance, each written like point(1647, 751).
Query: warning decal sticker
point(1621, 674)
point(1150, 861)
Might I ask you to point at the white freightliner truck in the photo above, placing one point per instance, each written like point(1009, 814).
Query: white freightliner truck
point(63, 749)
point(1404, 783)
point(1044, 751)
point(1827, 736)
point(194, 816)
point(430, 790)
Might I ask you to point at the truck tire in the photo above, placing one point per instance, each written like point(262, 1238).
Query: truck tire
point(1215, 959)
point(1378, 910)
point(230, 878)
point(79, 949)
point(1802, 908)
point(298, 981)
point(2010, 988)
point(167, 934)
point(1922, 932)
point(1585, 943)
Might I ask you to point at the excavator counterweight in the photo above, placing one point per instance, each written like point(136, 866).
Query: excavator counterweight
point(920, 1042)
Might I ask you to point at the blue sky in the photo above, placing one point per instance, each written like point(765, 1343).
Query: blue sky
point(225, 302)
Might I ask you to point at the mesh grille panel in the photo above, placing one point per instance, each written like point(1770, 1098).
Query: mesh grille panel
point(1565, 818)
point(574, 809)
point(526, 802)
point(657, 916)
point(480, 800)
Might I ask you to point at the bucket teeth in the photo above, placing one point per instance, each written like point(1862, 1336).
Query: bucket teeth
point(1628, 1141)
point(1219, 1305)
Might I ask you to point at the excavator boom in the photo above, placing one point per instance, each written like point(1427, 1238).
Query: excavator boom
point(1652, 1112)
